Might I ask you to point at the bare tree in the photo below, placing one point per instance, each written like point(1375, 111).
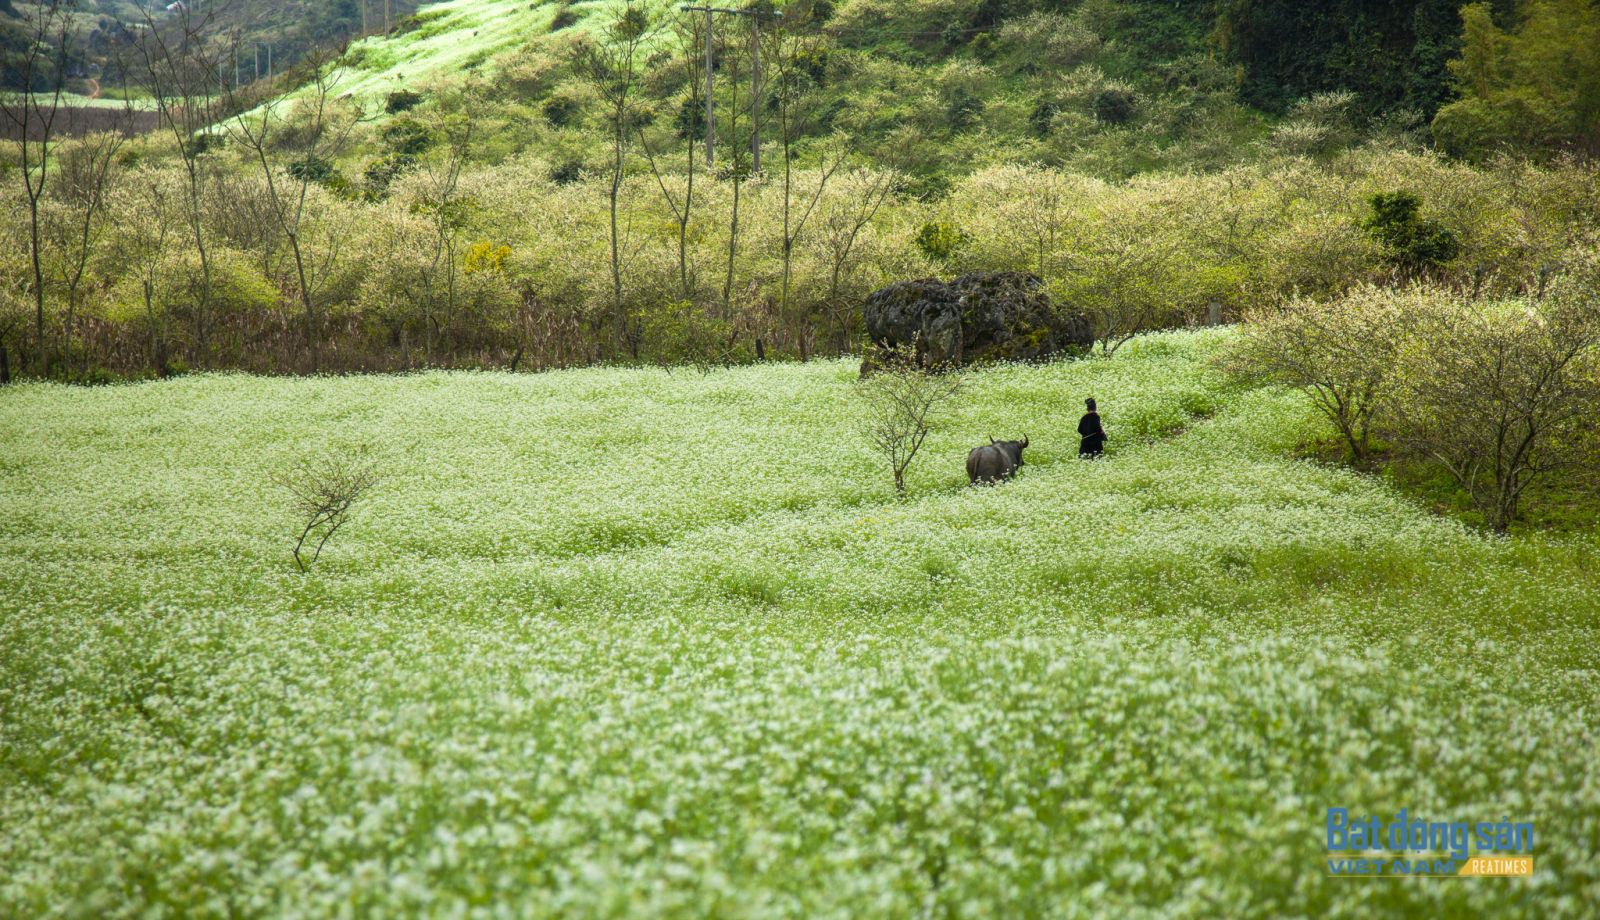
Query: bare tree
point(146, 250)
point(688, 35)
point(183, 69)
point(40, 67)
point(792, 52)
point(446, 212)
point(612, 63)
point(292, 158)
point(901, 399)
point(84, 178)
point(322, 493)
point(1501, 394)
point(844, 217)
point(737, 170)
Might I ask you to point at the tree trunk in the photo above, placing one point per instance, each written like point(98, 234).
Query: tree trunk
point(733, 247)
point(616, 254)
point(66, 332)
point(201, 309)
point(313, 328)
point(38, 284)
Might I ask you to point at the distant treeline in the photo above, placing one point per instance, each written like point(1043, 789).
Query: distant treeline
point(99, 42)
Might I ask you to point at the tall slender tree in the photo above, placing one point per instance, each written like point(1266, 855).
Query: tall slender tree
point(182, 66)
point(292, 158)
point(41, 70)
point(613, 62)
point(85, 175)
point(737, 170)
point(793, 55)
point(688, 36)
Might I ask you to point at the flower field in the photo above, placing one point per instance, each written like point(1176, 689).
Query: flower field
point(619, 642)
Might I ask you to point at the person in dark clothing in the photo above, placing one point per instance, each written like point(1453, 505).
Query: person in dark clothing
point(1092, 433)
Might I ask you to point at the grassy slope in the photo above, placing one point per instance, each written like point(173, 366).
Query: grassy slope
point(621, 642)
point(455, 37)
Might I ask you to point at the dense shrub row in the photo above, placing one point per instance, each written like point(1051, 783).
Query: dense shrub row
point(458, 262)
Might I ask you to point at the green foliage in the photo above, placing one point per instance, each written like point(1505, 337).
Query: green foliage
point(963, 110)
point(1114, 106)
point(407, 136)
point(1320, 126)
point(690, 122)
point(565, 18)
point(237, 284)
point(680, 333)
point(941, 241)
point(381, 172)
point(1534, 89)
point(1408, 239)
point(567, 172)
point(402, 100)
point(312, 169)
point(983, 46)
point(1041, 120)
point(560, 110)
point(1392, 55)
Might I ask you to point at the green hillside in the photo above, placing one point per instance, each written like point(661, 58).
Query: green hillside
point(937, 88)
point(445, 40)
point(624, 642)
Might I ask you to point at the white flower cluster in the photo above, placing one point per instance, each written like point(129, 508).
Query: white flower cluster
point(624, 643)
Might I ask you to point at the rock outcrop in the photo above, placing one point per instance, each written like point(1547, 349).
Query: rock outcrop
point(982, 316)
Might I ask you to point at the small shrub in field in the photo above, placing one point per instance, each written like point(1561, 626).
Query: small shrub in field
point(963, 110)
point(1114, 106)
point(322, 492)
point(381, 173)
point(565, 18)
point(407, 136)
point(567, 172)
point(559, 110)
point(902, 401)
point(1041, 121)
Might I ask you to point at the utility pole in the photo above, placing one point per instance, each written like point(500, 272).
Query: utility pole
point(755, 83)
point(711, 99)
point(755, 92)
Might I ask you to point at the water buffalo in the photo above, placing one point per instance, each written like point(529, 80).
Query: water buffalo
point(996, 461)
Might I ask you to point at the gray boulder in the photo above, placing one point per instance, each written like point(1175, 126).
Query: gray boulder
point(982, 316)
